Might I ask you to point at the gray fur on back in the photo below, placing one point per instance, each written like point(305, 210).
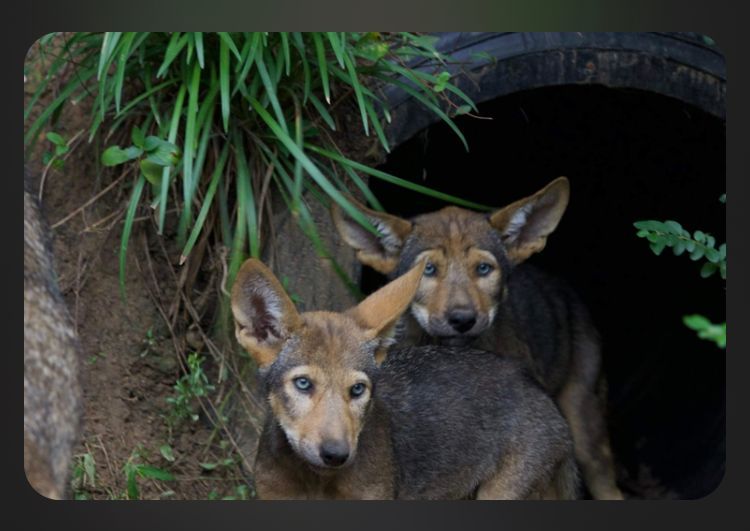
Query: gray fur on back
point(51, 390)
point(456, 413)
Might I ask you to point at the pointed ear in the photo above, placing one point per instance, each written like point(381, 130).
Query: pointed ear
point(525, 224)
point(379, 312)
point(379, 252)
point(264, 316)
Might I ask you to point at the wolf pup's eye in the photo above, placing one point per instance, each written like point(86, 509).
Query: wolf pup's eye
point(357, 390)
point(430, 269)
point(484, 269)
point(302, 383)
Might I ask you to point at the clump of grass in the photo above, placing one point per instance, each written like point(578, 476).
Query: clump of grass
point(217, 122)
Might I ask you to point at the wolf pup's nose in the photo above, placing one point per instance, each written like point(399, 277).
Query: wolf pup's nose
point(334, 453)
point(462, 319)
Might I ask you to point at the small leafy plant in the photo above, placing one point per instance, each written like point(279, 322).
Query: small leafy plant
point(84, 476)
point(699, 246)
point(135, 470)
point(189, 388)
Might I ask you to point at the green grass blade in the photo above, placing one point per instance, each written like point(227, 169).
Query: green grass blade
point(431, 79)
point(337, 47)
point(359, 183)
point(224, 83)
point(430, 105)
point(323, 112)
point(245, 195)
point(285, 50)
point(150, 91)
point(176, 43)
point(122, 61)
point(207, 202)
point(322, 66)
point(198, 38)
point(376, 125)
point(173, 128)
point(271, 91)
point(311, 168)
point(189, 152)
point(357, 91)
point(135, 198)
point(396, 180)
point(109, 42)
point(254, 49)
point(227, 39)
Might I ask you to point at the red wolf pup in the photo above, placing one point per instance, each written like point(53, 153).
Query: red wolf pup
point(351, 418)
point(476, 290)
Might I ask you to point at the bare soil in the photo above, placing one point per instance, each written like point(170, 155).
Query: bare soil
point(128, 358)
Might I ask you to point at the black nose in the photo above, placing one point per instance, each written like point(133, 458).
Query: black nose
point(334, 453)
point(462, 319)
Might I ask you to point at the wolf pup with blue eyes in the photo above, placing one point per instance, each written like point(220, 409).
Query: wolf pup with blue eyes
point(350, 418)
point(476, 290)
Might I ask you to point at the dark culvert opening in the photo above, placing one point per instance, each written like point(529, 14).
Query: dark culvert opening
point(630, 155)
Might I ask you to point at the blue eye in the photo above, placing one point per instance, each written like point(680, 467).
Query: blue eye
point(357, 390)
point(430, 269)
point(302, 383)
point(484, 269)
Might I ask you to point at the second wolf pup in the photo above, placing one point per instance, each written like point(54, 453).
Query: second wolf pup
point(429, 422)
point(476, 290)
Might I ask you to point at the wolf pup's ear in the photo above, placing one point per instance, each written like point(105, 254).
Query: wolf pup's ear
point(379, 252)
point(525, 224)
point(264, 316)
point(379, 312)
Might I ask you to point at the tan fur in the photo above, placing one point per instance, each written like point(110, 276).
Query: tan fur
point(328, 342)
point(553, 200)
point(451, 239)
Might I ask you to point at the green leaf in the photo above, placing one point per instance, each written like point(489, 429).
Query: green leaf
point(137, 137)
point(151, 472)
point(678, 248)
point(56, 139)
point(151, 171)
point(209, 466)
point(115, 155)
point(708, 269)
point(442, 81)
point(696, 322)
point(89, 468)
point(657, 247)
point(132, 483)
point(675, 227)
point(161, 152)
point(723, 198)
point(166, 452)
